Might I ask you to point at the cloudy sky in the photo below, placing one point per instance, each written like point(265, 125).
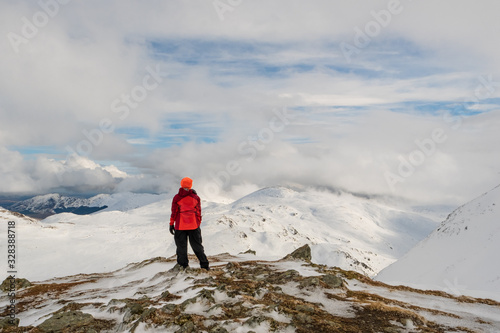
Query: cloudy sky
point(378, 97)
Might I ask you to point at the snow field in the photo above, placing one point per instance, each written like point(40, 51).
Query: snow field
point(343, 230)
point(459, 257)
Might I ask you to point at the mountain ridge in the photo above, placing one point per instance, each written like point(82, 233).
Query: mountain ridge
point(42, 206)
point(114, 270)
point(457, 255)
point(240, 294)
point(343, 230)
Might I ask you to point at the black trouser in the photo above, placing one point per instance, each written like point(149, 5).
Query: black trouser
point(181, 237)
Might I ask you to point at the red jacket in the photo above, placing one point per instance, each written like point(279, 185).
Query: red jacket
point(186, 210)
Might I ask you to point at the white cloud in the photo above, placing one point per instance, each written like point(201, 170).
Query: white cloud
point(355, 157)
point(76, 174)
point(220, 79)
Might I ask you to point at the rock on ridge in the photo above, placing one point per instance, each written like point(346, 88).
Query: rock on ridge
point(302, 253)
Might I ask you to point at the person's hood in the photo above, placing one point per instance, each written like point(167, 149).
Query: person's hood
point(183, 193)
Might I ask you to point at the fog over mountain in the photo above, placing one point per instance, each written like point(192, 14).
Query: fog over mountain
point(245, 95)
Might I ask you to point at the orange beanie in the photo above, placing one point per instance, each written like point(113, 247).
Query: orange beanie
point(186, 182)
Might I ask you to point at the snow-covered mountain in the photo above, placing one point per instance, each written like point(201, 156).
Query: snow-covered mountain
point(20, 219)
point(459, 256)
point(114, 270)
point(343, 230)
point(238, 295)
point(49, 204)
point(45, 205)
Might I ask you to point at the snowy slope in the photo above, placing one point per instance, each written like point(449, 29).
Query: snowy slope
point(20, 221)
point(459, 257)
point(343, 230)
point(240, 295)
point(6, 215)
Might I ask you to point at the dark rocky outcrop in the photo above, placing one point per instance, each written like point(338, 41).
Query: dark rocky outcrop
point(73, 321)
point(302, 253)
point(8, 322)
point(19, 284)
point(65, 320)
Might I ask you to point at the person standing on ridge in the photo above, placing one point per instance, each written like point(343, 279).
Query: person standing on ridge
point(185, 224)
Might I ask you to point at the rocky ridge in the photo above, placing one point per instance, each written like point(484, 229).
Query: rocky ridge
point(241, 295)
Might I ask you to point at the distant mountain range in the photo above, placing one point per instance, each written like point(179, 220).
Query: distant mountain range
point(46, 205)
point(85, 272)
point(356, 233)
